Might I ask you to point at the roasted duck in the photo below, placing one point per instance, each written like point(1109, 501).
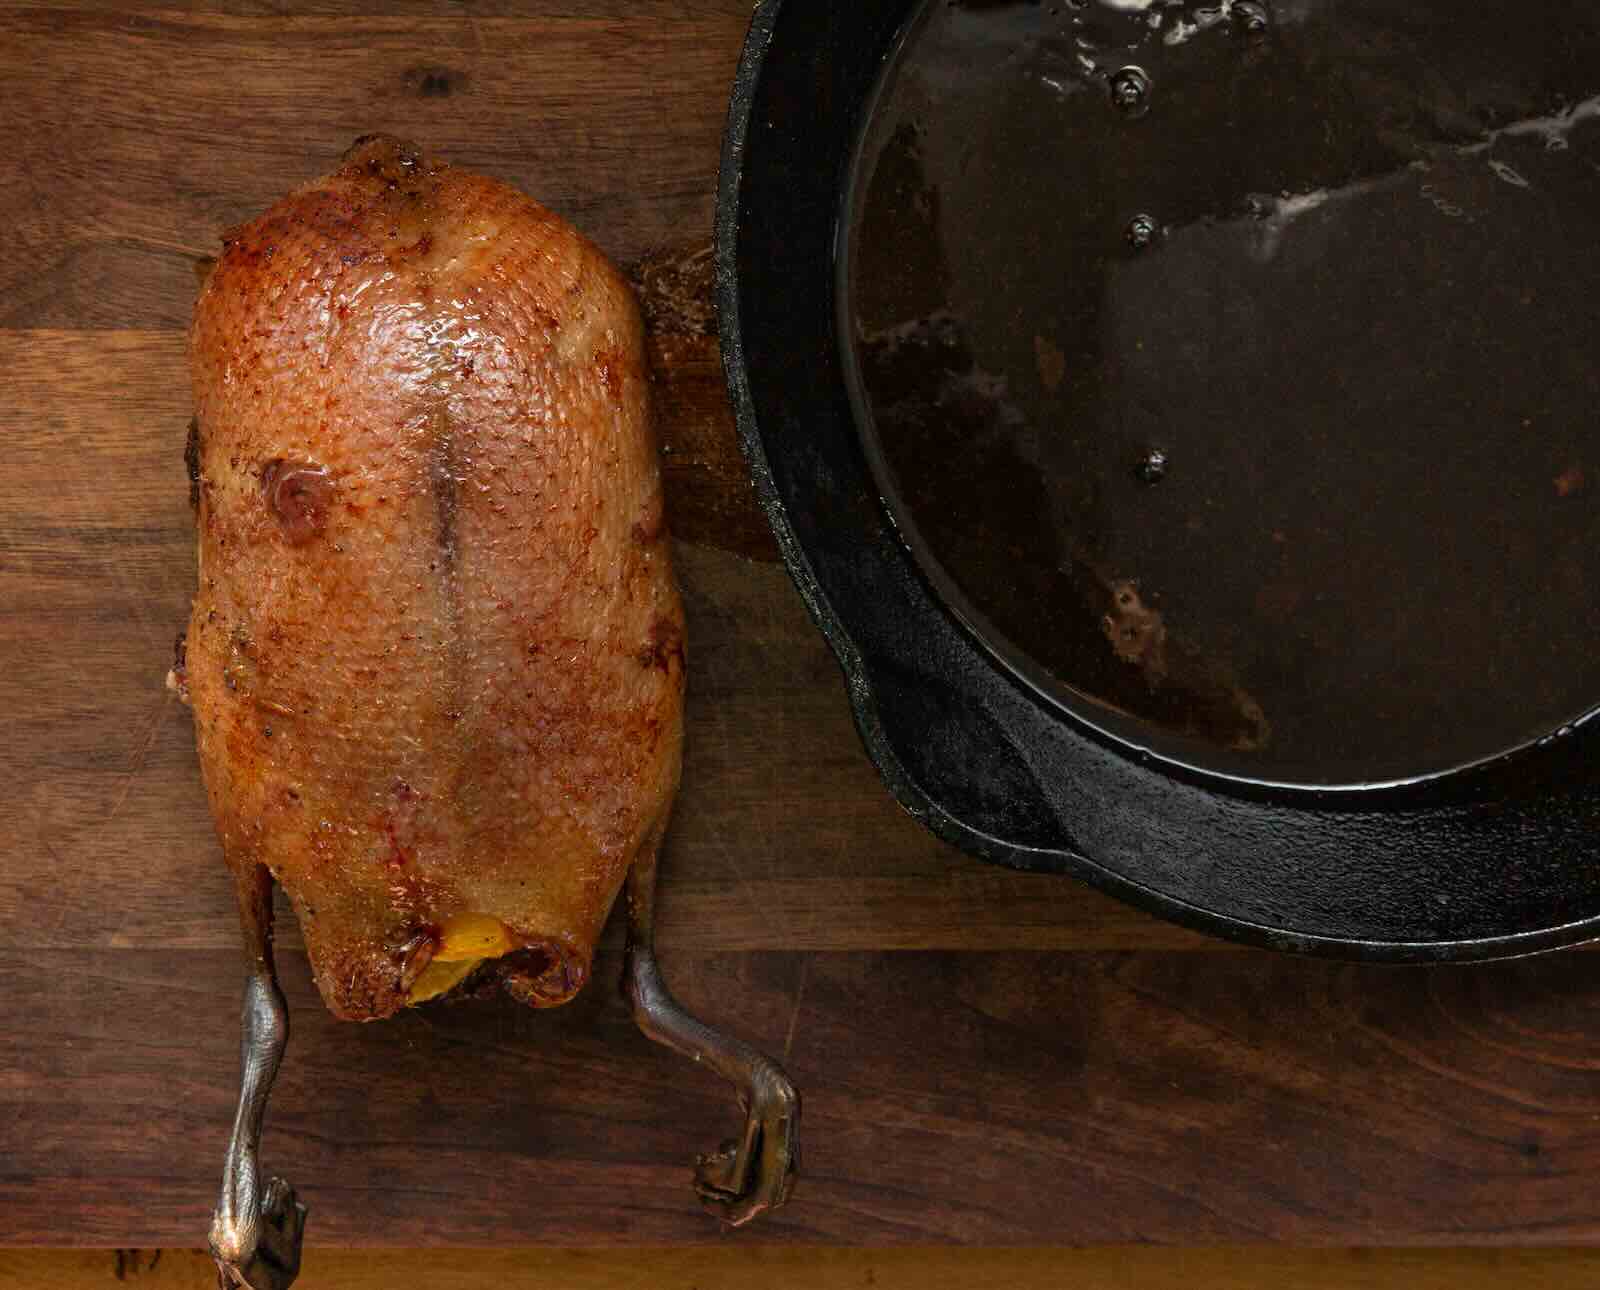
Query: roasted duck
point(436, 658)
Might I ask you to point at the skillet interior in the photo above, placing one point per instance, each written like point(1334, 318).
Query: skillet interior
point(1254, 423)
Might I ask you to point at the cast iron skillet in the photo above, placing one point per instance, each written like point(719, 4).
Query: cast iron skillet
point(1494, 861)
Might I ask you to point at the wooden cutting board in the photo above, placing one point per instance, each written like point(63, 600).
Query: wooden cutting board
point(985, 1056)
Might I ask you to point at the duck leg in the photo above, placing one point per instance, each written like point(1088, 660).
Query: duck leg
point(256, 1231)
point(755, 1173)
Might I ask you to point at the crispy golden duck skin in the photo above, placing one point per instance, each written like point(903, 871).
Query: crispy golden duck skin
point(436, 658)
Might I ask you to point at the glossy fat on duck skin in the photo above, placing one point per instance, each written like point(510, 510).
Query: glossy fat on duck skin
point(436, 658)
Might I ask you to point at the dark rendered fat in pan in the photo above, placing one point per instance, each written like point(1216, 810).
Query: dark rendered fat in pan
point(1233, 371)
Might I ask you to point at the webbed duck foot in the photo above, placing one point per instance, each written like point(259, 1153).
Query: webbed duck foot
point(263, 1251)
point(755, 1173)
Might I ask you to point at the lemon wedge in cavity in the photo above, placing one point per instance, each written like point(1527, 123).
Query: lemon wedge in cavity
point(465, 940)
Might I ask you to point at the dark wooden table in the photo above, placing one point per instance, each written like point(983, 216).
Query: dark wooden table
point(986, 1057)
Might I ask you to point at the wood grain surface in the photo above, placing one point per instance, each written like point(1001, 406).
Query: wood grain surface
point(739, 1268)
point(994, 1098)
point(986, 1057)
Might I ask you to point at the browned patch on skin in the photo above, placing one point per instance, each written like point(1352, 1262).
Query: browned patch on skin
point(541, 976)
point(297, 494)
point(240, 668)
point(664, 646)
point(397, 859)
point(371, 976)
point(272, 706)
point(1570, 481)
point(399, 826)
point(384, 157)
point(410, 891)
point(609, 366)
point(649, 527)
